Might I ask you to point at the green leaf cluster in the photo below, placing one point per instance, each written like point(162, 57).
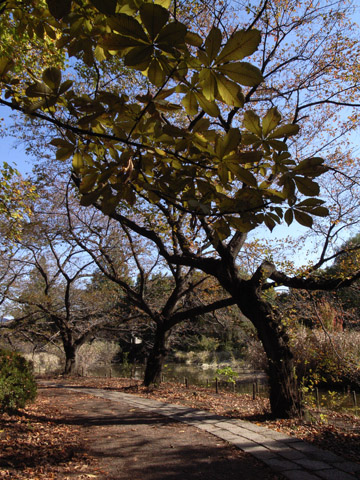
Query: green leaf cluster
point(17, 383)
point(172, 141)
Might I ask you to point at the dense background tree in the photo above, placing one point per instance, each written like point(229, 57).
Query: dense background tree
point(201, 144)
point(49, 287)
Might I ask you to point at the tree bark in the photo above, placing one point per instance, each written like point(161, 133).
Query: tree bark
point(70, 359)
point(285, 398)
point(156, 358)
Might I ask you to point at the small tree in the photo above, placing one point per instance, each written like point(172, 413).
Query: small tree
point(17, 384)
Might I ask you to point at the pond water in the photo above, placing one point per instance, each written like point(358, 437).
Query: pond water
point(247, 381)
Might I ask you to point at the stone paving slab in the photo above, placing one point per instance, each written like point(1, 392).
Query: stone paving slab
point(293, 458)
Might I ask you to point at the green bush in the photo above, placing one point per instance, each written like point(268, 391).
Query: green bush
point(17, 383)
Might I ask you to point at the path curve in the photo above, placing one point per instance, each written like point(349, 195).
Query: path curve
point(291, 457)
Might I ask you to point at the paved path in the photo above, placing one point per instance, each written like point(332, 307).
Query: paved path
point(293, 458)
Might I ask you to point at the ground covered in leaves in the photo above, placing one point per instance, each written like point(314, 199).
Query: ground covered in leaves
point(69, 436)
point(339, 433)
point(36, 444)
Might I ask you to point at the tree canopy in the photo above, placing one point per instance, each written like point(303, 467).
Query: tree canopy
point(222, 133)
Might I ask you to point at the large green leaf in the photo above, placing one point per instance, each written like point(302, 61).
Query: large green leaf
point(285, 131)
point(306, 186)
point(5, 65)
point(242, 174)
point(139, 57)
point(172, 35)
point(229, 91)
point(52, 77)
point(153, 18)
point(229, 143)
point(320, 211)
point(252, 123)
point(240, 45)
point(313, 167)
point(38, 89)
point(193, 39)
point(105, 6)
point(190, 103)
point(127, 26)
point(119, 42)
point(155, 73)
point(303, 218)
point(163, 3)
point(242, 72)
point(213, 43)
point(87, 182)
point(59, 9)
point(223, 173)
point(209, 107)
point(208, 84)
point(289, 216)
point(270, 121)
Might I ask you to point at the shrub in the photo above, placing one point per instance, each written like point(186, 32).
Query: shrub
point(17, 383)
point(331, 358)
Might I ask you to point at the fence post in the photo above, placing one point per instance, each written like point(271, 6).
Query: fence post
point(254, 391)
point(216, 385)
point(317, 397)
point(354, 401)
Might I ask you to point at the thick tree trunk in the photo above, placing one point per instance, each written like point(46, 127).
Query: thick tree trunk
point(156, 359)
point(285, 399)
point(70, 359)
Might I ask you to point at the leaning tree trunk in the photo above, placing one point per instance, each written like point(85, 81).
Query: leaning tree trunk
point(285, 398)
point(156, 358)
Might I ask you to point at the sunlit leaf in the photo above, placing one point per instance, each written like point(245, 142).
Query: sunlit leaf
point(242, 72)
point(242, 174)
point(252, 123)
point(270, 121)
point(230, 142)
point(229, 91)
point(208, 84)
point(190, 103)
point(77, 161)
point(285, 131)
point(240, 45)
point(213, 43)
point(209, 107)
